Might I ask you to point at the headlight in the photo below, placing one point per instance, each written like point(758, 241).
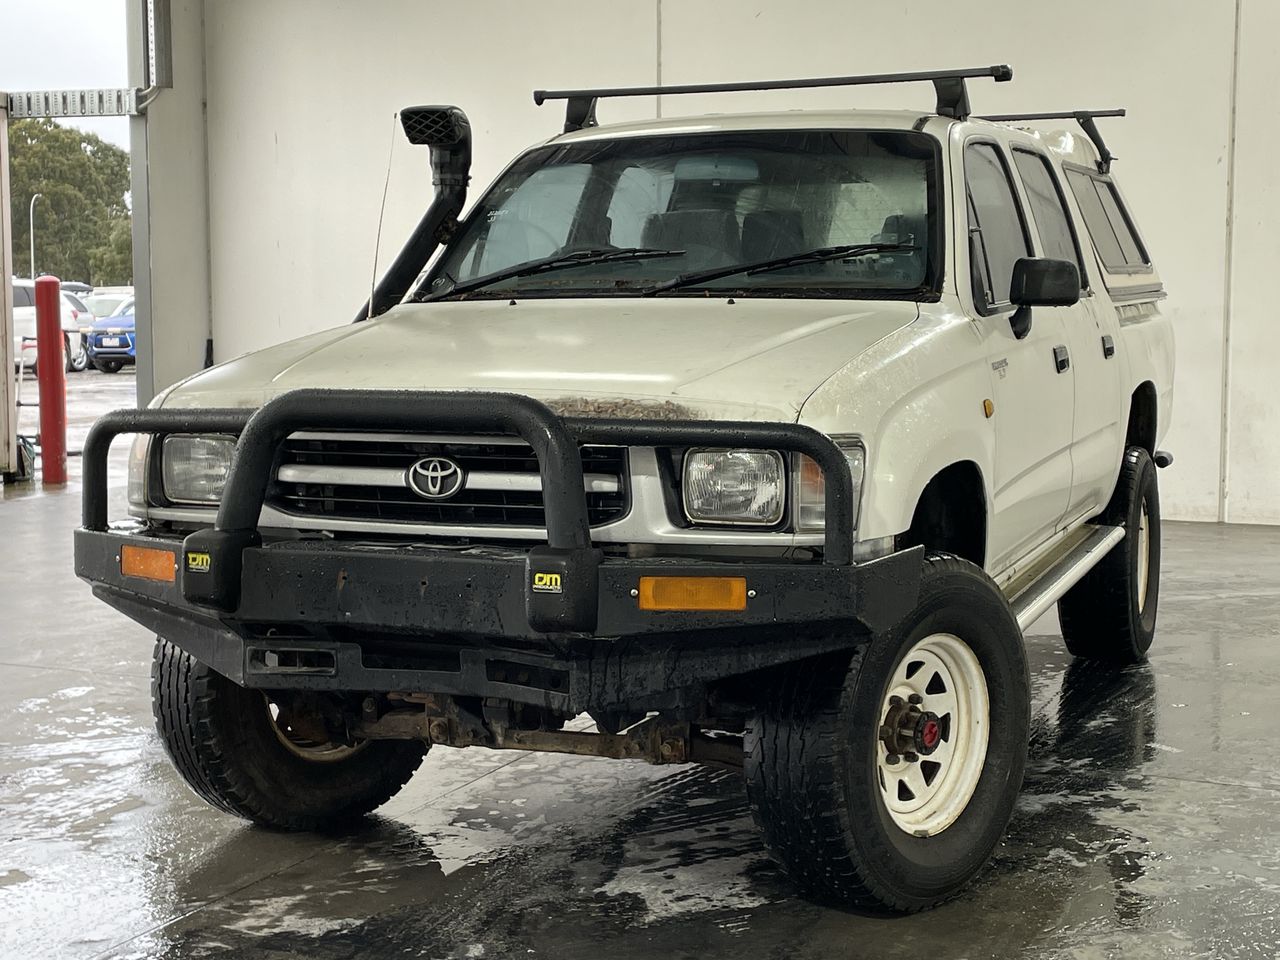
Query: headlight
point(139, 454)
point(195, 467)
point(811, 487)
point(734, 486)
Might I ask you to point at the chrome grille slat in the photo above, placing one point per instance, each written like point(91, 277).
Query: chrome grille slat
point(394, 477)
point(354, 477)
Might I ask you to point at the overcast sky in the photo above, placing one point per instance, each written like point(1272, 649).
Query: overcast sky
point(66, 44)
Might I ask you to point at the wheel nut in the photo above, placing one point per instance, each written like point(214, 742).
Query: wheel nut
point(910, 757)
point(916, 698)
point(892, 759)
point(895, 700)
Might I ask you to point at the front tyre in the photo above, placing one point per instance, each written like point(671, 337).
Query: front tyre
point(885, 778)
point(1111, 613)
point(238, 751)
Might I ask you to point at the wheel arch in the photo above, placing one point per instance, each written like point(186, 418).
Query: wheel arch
point(1144, 416)
point(951, 514)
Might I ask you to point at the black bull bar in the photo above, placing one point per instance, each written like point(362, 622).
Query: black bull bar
point(212, 560)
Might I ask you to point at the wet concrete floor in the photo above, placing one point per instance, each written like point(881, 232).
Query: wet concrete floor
point(1149, 824)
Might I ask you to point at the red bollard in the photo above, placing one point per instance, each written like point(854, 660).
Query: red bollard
point(52, 374)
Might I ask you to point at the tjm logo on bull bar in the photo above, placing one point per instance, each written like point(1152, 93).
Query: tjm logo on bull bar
point(198, 562)
point(546, 583)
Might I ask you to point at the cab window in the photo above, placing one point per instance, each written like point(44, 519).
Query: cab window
point(997, 233)
point(1108, 223)
point(1044, 195)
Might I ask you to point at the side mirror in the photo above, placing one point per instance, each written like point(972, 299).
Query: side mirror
point(1041, 282)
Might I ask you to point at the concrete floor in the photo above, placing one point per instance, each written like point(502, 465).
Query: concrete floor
point(1147, 825)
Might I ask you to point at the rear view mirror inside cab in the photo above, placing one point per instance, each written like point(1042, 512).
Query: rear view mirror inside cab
point(718, 168)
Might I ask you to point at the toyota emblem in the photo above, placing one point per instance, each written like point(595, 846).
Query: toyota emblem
point(435, 478)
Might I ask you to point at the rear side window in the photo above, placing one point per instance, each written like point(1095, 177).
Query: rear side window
point(1108, 223)
point(1057, 236)
point(996, 228)
point(22, 297)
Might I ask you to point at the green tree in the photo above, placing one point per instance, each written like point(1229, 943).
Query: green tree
point(111, 265)
point(82, 219)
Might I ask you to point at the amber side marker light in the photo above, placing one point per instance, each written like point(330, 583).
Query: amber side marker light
point(693, 593)
point(148, 563)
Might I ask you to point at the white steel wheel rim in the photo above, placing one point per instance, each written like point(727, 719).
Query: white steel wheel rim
point(925, 796)
point(1144, 556)
point(307, 749)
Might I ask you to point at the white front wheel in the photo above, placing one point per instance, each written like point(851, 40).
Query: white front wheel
point(885, 776)
point(935, 720)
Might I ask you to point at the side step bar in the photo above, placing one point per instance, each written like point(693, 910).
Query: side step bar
point(1038, 596)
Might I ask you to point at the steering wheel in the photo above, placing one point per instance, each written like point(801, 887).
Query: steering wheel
point(531, 230)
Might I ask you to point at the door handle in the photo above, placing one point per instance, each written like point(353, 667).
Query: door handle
point(1108, 347)
point(1061, 359)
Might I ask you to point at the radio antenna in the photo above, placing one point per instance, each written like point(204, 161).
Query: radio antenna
point(377, 240)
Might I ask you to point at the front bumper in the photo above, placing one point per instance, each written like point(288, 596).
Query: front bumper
point(480, 621)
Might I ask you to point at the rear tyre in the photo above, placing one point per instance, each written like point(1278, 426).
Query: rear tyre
point(885, 778)
point(109, 366)
point(77, 357)
point(239, 753)
point(1111, 614)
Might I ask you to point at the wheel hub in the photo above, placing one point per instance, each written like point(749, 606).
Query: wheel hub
point(908, 731)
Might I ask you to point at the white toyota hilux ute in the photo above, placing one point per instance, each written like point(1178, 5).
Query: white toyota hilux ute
point(759, 439)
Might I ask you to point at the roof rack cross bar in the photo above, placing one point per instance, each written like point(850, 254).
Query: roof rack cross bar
point(1086, 120)
point(953, 98)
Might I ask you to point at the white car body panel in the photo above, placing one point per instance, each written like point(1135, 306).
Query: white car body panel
point(746, 360)
point(24, 325)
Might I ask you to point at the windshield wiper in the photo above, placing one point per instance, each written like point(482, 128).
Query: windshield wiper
point(846, 250)
point(560, 262)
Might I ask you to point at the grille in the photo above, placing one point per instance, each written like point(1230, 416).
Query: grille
point(364, 479)
point(431, 126)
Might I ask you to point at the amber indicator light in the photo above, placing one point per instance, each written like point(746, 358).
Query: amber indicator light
point(148, 563)
point(693, 593)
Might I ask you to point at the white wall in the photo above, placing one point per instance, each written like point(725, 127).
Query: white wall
point(301, 98)
point(1252, 467)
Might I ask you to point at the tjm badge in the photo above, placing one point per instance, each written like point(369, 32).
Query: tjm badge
point(546, 583)
point(198, 562)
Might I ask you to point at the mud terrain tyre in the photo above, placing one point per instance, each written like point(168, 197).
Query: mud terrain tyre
point(852, 818)
point(227, 745)
point(1111, 614)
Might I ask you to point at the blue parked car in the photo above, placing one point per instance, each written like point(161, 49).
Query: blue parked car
point(111, 343)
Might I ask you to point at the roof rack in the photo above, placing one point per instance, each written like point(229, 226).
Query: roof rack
point(1083, 117)
point(953, 97)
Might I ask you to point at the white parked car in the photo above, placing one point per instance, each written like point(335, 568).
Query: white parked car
point(761, 438)
point(110, 301)
point(75, 317)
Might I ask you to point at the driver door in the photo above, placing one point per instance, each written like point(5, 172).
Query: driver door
point(1032, 382)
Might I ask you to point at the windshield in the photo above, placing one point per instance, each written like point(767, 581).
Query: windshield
point(651, 213)
point(103, 306)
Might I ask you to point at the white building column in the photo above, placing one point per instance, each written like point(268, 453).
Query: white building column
point(170, 206)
